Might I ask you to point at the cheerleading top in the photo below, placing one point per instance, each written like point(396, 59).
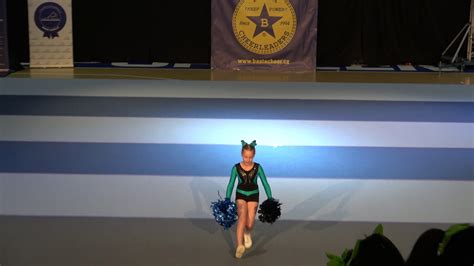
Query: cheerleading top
point(248, 180)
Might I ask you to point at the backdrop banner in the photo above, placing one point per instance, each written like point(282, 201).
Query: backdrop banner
point(50, 27)
point(264, 34)
point(4, 65)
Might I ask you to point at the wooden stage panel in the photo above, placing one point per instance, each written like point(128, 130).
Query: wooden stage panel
point(205, 74)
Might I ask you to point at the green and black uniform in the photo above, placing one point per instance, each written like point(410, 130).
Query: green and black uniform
point(247, 188)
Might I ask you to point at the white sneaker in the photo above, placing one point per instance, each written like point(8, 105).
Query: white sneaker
point(247, 240)
point(239, 252)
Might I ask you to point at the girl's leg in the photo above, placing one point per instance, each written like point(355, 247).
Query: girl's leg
point(242, 220)
point(251, 210)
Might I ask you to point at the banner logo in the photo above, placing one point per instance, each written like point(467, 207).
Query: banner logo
point(264, 26)
point(50, 18)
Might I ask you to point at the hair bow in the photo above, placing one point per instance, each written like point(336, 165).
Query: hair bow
point(253, 143)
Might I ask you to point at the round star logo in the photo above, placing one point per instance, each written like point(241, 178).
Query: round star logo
point(264, 26)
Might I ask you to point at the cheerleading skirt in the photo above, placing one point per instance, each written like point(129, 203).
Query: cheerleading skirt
point(253, 197)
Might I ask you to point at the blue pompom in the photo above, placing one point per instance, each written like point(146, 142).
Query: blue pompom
point(225, 212)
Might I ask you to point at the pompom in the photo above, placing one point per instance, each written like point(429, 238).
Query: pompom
point(225, 212)
point(269, 211)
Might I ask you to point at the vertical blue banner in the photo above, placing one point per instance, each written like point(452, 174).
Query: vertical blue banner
point(4, 65)
point(50, 32)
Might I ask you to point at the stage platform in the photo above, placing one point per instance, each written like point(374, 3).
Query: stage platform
point(79, 241)
point(119, 166)
point(205, 74)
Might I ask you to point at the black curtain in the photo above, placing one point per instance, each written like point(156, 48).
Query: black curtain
point(17, 27)
point(376, 32)
point(373, 32)
point(142, 31)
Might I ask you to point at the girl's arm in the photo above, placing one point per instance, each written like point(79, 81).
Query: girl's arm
point(263, 177)
point(230, 186)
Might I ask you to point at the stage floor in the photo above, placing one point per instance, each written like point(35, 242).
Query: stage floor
point(205, 74)
point(29, 240)
point(82, 217)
